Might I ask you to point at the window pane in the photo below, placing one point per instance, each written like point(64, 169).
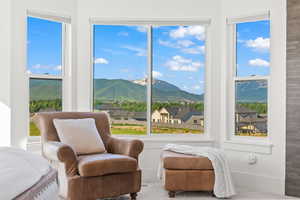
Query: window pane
point(253, 48)
point(120, 66)
point(44, 46)
point(251, 108)
point(178, 79)
point(45, 96)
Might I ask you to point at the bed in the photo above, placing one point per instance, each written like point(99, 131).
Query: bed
point(26, 176)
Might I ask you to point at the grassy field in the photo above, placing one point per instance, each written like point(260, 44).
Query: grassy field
point(134, 129)
point(130, 129)
point(252, 134)
point(34, 131)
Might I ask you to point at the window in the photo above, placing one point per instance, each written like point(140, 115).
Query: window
point(120, 68)
point(45, 61)
point(178, 78)
point(251, 78)
point(168, 103)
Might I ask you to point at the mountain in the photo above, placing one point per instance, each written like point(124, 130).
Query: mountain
point(119, 89)
point(252, 91)
point(45, 89)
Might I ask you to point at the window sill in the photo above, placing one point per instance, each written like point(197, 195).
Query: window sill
point(170, 138)
point(254, 146)
point(153, 142)
point(32, 140)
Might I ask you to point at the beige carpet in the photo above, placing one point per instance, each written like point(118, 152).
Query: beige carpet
point(155, 191)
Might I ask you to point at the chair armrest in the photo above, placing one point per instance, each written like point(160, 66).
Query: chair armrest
point(128, 147)
point(59, 152)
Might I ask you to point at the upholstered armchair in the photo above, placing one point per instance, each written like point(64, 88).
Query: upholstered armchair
point(88, 177)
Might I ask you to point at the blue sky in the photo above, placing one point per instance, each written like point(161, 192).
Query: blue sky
point(178, 52)
point(253, 43)
point(44, 46)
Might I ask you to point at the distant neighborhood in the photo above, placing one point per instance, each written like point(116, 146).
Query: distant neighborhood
point(247, 121)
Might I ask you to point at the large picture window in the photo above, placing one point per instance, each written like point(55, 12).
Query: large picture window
point(124, 59)
point(45, 67)
point(251, 78)
point(178, 79)
point(120, 68)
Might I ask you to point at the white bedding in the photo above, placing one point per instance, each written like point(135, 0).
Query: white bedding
point(19, 170)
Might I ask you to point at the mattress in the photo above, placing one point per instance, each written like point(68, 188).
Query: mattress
point(45, 189)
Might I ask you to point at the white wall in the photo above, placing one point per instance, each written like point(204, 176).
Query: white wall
point(269, 172)
point(19, 81)
point(5, 22)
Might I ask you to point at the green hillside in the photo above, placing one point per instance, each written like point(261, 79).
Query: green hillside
point(118, 89)
point(124, 90)
point(45, 89)
point(252, 91)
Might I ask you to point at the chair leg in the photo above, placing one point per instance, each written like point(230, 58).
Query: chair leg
point(133, 196)
point(213, 194)
point(172, 194)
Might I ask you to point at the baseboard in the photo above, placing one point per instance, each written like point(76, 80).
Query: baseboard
point(259, 183)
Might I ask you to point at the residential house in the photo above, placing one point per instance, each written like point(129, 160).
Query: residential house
point(178, 115)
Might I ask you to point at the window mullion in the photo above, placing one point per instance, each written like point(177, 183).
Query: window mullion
point(149, 77)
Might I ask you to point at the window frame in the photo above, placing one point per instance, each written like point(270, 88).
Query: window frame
point(232, 78)
point(65, 60)
point(149, 23)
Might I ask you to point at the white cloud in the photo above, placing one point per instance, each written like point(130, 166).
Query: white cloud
point(123, 33)
point(178, 44)
point(186, 46)
point(58, 67)
point(46, 67)
point(179, 63)
point(168, 43)
point(185, 43)
point(156, 74)
point(101, 61)
point(259, 63)
point(184, 31)
point(194, 50)
point(142, 29)
point(259, 44)
point(137, 50)
point(196, 87)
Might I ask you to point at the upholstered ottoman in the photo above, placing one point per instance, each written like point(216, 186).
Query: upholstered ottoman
point(187, 173)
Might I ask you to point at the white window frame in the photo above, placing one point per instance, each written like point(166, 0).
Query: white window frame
point(232, 141)
point(65, 75)
point(208, 70)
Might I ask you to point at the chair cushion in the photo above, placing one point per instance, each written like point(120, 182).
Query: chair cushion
point(172, 160)
point(81, 134)
point(102, 164)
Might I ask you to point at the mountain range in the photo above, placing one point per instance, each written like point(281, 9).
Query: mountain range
point(120, 89)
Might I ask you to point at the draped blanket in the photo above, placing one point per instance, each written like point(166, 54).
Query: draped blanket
point(224, 187)
point(19, 170)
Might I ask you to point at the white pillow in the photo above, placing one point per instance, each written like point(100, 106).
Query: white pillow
point(81, 134)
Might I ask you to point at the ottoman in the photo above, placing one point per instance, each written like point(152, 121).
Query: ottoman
point(187, 173)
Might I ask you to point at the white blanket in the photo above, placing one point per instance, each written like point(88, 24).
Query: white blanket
point(224, 187)
point(19, 170)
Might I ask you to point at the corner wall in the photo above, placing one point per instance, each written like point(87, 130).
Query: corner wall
point(18, 84)
point(5, 57)
point(268, 174)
